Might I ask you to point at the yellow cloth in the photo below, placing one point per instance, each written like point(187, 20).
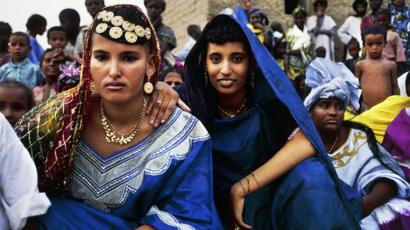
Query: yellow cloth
point(258, 32)
point(380, 115)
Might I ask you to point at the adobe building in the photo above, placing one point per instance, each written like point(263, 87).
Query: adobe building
point(181, 13)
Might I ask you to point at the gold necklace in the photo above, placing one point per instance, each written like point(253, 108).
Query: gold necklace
point(112, 136)
point(232, 115)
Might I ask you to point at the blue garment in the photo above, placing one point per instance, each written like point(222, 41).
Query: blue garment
point(24, 72)
point(36, 51)
point(241, 15)
point(400, 20)
point(243, 143)
point(164, 181)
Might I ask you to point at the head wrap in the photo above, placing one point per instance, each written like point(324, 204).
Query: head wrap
point(299, 9)
point(328, 79)
point(51, 130)
point(401, 81)
point(271, 83)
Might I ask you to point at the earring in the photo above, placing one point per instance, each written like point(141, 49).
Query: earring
point(206, 77)
point(148, 87)
point(253, 79)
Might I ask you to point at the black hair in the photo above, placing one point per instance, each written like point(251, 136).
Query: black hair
point(384, 12)
point(5, 28)
point(229, 32)
point(303, 12)
point(355, 42)
point(319, 2)
point(15, 84)
point(35, 21)
point(359, 2)
point(101, 1)
point(171, 70)
point(194, 31)
point(71, 14)
point(264, 18)
point(48, 50)
point(161, 3)
point(22, 34)
point(53, 29)
point(375, 29)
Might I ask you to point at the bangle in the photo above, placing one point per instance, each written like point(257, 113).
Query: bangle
point(249, 184)
point(243, 188)
point(257, 182)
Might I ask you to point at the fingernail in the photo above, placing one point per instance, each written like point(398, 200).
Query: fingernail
point(162, 121)
point(156, 125)
point(151, 122)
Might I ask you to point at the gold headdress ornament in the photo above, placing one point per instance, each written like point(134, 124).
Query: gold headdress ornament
point(298, 9)
point(119, 27)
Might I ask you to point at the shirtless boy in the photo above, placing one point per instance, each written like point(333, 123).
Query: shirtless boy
point(377, 75)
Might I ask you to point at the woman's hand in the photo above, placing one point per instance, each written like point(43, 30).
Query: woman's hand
point(163, 102)
point(237, 202)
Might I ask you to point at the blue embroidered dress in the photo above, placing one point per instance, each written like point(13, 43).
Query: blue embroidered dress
point(310, 196)
point(164, 181)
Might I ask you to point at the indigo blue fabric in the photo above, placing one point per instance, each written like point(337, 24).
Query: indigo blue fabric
point(243, 143)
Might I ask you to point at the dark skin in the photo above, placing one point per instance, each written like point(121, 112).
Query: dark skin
point(320, 10)
point(328, 116)
point(299, 20)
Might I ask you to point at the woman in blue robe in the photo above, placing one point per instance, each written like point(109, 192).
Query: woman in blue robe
point(100, 160)
point(249, 122)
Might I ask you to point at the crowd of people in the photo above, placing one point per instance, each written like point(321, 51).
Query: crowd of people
point(246, 127)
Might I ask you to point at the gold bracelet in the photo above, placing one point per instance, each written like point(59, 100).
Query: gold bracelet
point(254, 177)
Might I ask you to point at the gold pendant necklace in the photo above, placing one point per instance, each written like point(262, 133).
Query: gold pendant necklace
point(112, 136)
point(232, 115)
point(334, 144)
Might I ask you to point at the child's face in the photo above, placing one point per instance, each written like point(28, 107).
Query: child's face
point(57, 39)
point(13, 103)
point(374, 45)
point(360, 9)
point(49, 66)
point(381, 19)
point(299, 20)
point(18, 48)
point(255, 19)
point(353, 50)
point(320, 9)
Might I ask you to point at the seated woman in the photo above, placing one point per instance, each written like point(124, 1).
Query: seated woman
point(250, 108)
point(100, 160)
point(359, 160)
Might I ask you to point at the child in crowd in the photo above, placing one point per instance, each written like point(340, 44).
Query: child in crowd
point(279, 39)
point(322, 27)
point(377, 75)
point(60, 75)
point(353, 48)
point(394, 50)
point(36, 25)
point(5, 32)
point(16, 99)
point(20, 67)
point(49, 65)
point(173, 77)
point(257, 24)
point(70, 21)
point(56, 37)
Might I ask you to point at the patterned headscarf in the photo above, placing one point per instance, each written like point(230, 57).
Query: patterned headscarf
point(329, 79)
point(51, 131)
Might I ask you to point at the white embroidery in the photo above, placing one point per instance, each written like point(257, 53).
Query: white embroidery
point(106, 183)
point(168, 219)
